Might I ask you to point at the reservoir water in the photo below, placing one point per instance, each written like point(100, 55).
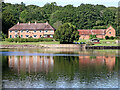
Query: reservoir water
point(59, 68)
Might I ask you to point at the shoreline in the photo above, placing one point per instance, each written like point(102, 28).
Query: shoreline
point(60, 46)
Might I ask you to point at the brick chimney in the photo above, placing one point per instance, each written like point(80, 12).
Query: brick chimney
point(46, 22)
point(29, 22)
point(35, 22)
point(18, 23)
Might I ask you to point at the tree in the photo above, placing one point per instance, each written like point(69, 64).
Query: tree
point(66, 33)
point(57, 24)
point(112, 37)
point(92, 36)
point(106, 37)
point(8, 20)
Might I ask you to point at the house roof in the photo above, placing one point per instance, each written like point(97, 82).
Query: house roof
point(31, 26)
point(93, 31)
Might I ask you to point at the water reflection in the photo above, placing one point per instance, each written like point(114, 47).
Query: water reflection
point(109, 61)
point(31, 63)
point(46, 63)
point(61, 69)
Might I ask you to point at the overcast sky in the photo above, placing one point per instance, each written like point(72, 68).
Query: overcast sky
point(66, 2)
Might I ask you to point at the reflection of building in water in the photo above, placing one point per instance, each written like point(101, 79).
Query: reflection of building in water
point(31, 63)
point(98, 60)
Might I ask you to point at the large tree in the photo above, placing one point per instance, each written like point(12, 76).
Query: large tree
point(66, 33)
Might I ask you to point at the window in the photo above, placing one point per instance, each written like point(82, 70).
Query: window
point(109, 32)
point(16, 36)
point(10, 36)
point(40, 35)
point(46, 31)
point(35, 35)
point(45, 35)
point(21, 36)
point(21, 30)
point(27, 31)
point(27, 35)
point(34, 30)
point(10, 31)
point(51, 35)
point(40, 30)
point(16, 31)
point(52, 30)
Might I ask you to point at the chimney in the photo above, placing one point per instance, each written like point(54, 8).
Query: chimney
point(29, 22)
point(35, 22)
point(18, 23)
point(47, 22)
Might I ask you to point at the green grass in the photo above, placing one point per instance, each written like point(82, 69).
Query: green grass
point(29, 43)
point(107, 43)
point(102, 42)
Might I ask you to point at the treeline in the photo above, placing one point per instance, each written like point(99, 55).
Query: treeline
point(85, 16)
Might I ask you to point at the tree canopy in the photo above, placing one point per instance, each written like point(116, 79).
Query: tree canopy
point(66, 33)
point(85, 16)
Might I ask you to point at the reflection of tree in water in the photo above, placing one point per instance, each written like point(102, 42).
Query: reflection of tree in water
point(69, 68)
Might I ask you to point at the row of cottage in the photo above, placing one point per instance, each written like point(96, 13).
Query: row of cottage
point(38, 30)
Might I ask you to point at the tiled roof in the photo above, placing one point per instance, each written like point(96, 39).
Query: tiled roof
point(31, 26)
point(95, 31)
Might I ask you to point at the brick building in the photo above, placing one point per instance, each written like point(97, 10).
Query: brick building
point(100, 33)
point(33, 30)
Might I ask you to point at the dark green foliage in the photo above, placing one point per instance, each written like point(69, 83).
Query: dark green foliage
point(85, 16)
point(106, 37)
point(28, 39)
point(112, 37)
point(2, 36)
point(93, 36)
point(66, 33)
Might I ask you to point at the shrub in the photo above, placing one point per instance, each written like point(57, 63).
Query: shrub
point(92, 36)
point(89, 43)
point(112, 37)
point(28, 39)
point(106, 37)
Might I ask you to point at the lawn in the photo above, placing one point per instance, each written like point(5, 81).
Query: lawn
point(107, 43)
point(103, 43)
point(29, 43)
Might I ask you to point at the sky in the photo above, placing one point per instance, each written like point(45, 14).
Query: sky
point(75, 3)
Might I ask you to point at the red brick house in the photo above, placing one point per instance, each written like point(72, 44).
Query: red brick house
point(100, 33)
point(33, 30)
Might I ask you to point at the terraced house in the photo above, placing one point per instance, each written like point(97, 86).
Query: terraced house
point(100, 33)
point(31, 30)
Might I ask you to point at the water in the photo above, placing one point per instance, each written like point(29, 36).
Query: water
point(59, 68)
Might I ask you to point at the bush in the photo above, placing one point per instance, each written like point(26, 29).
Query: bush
point(92, 36)
point(90, 43)
point(106, 37)
point(28, 39)
point(112, 37)
point(9, 39)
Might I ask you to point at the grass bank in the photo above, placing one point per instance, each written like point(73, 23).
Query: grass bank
point(107, 43)
point(28, 43)
point(103, 43)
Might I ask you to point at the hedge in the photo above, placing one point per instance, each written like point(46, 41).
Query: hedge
point(28, 39)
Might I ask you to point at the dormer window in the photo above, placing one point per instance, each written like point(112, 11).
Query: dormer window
point(109, 32)
point(34, 30)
